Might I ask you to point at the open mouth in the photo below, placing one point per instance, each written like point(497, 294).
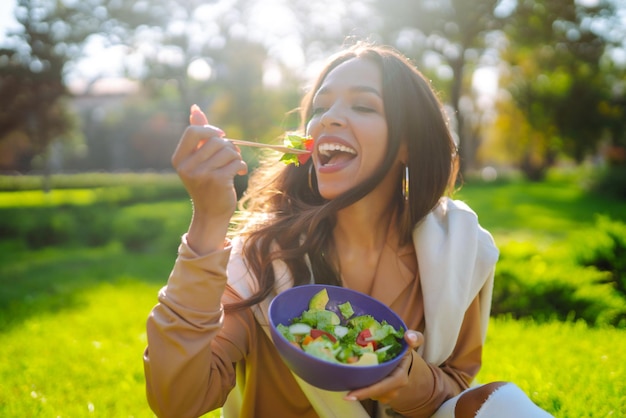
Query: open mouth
point(332, 154)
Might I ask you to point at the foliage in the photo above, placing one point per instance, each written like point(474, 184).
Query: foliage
point(94, 225)
point(158, 184)
point(611, 182)
point(456, 33)
point(558, 82)
point(563, 263)
point(548, 285)
point(35, 60)
point(604, 248)
point(87, 216)
point(561, 281)
point(515, 209)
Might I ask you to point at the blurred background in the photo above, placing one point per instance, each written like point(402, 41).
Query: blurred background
point(94, 95)
point(107, 84)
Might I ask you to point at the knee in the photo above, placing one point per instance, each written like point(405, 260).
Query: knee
point(470, 402)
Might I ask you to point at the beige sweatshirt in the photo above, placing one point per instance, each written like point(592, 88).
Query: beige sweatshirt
point(197, 356)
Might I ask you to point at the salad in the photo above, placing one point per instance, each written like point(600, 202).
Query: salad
point(297, 142)
point(342, 338)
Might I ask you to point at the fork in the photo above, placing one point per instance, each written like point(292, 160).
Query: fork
point(279, 148)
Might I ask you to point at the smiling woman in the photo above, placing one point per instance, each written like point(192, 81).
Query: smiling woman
point(350, 130)
point(370, 212)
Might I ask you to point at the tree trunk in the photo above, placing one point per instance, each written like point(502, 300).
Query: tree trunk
point(458, 66)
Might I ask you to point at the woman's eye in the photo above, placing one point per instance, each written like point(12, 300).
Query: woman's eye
point(365, 109)
point(318, 110)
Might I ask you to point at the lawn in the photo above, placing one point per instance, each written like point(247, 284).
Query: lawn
point(72, 317)
point(545, 211)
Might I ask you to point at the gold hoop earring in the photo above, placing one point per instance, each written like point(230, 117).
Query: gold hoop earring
point(405, 183)
point(311, 178)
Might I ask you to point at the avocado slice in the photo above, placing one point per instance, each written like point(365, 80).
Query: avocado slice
point(319, 300)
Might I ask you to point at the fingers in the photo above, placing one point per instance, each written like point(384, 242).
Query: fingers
point(197, 117)
point(192, 140)
point(414, 339)
point(195, 136)
point(387, 389)
point(215, 155)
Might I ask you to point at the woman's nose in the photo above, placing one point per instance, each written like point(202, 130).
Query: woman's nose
point(332, 117)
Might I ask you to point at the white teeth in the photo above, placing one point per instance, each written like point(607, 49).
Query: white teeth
point(327, 149)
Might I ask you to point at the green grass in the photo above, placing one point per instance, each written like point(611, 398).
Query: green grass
point(539, 212)
point(568, 369)
point(80, 360)
point(74, 331)
point(83, 358)
point(72, 319)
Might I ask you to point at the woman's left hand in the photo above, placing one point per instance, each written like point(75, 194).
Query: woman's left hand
point(387, 389)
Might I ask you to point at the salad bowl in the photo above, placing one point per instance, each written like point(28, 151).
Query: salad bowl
point(324, 374)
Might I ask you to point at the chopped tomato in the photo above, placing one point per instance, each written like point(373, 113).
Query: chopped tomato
point(316, 333)
point(363, 339)
point(308, 145)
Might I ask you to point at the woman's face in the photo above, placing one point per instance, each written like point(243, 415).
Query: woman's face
point(348, 126)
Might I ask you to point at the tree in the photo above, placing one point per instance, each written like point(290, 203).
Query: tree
point(31, 82)
point(34, 62)
point(457, 32)
point(557, 80)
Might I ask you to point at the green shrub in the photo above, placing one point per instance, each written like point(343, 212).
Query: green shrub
point(91, 180)
point(604, 248)
point(551, 284)
point(39, 227)
point(147, 226)
point(611, 182)
point(138, 233)
point(74, 216)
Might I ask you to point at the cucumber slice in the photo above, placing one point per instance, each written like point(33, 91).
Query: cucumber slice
point(299, 329)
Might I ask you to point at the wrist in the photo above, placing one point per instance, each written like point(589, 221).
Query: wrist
point(207, 235)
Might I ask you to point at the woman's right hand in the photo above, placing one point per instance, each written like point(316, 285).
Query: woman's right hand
point(207, 165)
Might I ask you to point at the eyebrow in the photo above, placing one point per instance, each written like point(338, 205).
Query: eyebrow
point(353, 89)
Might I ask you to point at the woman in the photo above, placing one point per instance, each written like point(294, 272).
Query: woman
point(367, 211)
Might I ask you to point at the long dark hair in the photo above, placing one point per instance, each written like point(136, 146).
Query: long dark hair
point(288, 220)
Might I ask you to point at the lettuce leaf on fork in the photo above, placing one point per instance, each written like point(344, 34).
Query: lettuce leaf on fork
point(297, 142)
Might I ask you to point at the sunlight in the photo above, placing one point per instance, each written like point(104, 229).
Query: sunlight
point(274, 24)
point(588, 3)
point(199, 69)
point(485, 81)
point(7, 20)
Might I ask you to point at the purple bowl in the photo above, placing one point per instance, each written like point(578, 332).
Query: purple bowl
point(322, 374)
